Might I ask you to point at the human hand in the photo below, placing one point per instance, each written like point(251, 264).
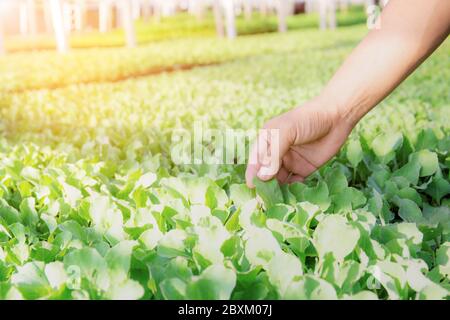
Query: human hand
point(295, 144)
point(305, 138)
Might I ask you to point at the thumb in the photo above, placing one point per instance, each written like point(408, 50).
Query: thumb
point(267, 152)
point(271, 159)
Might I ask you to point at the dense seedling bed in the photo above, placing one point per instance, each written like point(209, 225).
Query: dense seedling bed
point(92, 206)
point(41, 70)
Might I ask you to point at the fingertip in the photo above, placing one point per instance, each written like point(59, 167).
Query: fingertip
point(295, 178)
point(283, 175)
point(264, 177)
point(250, 174)
point(249, 180)
point(265, 173)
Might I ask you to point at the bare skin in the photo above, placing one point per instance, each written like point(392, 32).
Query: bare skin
point(310, 135)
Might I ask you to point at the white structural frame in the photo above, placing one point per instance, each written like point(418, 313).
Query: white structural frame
point(63, 16)
point(104, 15)
point(31, 12)
point(218, 18)
point(327, 13)
point(225, 18)
point(80, 10)
point(282, 14)
point(230, 18)
point(56, 8)
point(128, 23)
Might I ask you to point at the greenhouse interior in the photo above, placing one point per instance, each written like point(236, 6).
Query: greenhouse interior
point(270, 150)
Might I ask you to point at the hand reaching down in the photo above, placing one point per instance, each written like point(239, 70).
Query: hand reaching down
point(295, 144)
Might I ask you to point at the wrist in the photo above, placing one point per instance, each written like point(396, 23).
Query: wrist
point(338, 112)
point(346, 112)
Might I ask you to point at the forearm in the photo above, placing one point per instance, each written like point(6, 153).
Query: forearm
point(410, 31)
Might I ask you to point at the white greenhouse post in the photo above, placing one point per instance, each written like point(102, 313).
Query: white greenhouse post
point(307, 6)
point(157, 9)
point(230, 19)
point(192, 6)
point(168, 8)
point(323, 14)
point(47, 17)
point(218, 17)
point(67, 16)
point(332, 14)
point(119, 17)
point(327, 13)
point(104, 10)
point(58, 26)
point(23, 17)
point(79, 15)
point(282, 8)
point(200, 10)
point(31, 13)
point(128, 24)
point(310, 5)
point(136, 9)
point(369, 3)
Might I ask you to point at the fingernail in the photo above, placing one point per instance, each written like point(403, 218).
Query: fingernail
point(264, 172)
